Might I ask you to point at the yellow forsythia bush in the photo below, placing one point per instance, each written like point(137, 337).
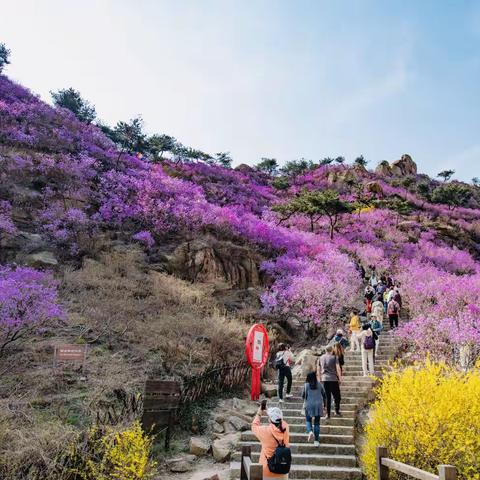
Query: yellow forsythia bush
point(122, 455)
point(427, 415)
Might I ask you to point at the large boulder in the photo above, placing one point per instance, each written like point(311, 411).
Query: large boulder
point(244, 168)
point(223, 448)
point(403, 167)
point(339, 177)
point(383, 169)
point(240, 424)
point(269, 390)
point(199, 446)
point(305, 362)
point(43, 259)
point(374, 187)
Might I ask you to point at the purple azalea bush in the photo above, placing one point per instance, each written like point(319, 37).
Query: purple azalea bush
point(28, 301)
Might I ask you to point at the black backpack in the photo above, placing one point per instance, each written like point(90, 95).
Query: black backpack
point(281, 460)
point(279, 363)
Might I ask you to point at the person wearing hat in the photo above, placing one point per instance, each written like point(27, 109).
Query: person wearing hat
point(269, 436)
point(339, 337)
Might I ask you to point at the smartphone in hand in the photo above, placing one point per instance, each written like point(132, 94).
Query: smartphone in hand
point(264, 405)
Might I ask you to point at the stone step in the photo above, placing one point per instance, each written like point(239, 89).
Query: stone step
point(326, 427)
point(300, 419)
point(303, 438)
point(347, 411)
point(311, 471)
point(314, 458)
point(323, 448)
point(350, 399)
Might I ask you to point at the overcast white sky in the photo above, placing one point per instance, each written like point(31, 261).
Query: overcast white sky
point(276, 78)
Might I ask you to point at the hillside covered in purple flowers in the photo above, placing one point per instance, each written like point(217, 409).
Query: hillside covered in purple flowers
point(98, 242)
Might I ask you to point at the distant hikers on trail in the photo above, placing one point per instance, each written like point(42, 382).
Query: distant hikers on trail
point(321, 391)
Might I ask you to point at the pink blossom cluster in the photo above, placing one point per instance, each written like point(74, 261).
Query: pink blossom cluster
point(319, 288)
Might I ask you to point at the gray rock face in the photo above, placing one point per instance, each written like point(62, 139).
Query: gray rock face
point(41, 260)
point(210, 261)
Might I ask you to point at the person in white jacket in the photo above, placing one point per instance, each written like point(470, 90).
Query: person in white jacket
point(367, 342)
point(378, 308)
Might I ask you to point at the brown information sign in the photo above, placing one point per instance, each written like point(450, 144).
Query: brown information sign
point(70, 353)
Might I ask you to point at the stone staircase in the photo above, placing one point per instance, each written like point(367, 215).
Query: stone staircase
point(335, 457)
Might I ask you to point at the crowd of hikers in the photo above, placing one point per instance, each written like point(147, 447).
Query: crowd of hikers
point(381, 299)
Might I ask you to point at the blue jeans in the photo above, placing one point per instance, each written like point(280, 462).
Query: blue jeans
point(316, 426)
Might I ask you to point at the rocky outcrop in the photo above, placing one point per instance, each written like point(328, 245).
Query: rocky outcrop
point(209, 260)
point(43, 259)
point(405, 166)
point(383, 169)
point(399, 168)
point(337, 177)
point(374, 187)
point(244, 168)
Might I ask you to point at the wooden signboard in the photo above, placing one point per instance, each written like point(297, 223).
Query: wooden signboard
point(70, 353)
point(160, 403)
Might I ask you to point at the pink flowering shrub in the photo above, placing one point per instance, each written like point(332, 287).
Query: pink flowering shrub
point(319, 289)
point(444, 309)
point(28, 300)
point(145, 238)
point(6, 223)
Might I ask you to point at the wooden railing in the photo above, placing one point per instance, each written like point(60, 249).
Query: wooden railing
point(248, 469)
point(212, 380)
point(385, 464)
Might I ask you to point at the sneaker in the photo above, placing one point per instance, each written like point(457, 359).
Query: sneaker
point(288, 395)
point(280, 400)
point(316, 443)
point(310, 436)
point(338, 414)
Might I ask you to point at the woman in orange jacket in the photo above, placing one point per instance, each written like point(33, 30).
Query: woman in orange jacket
point(270, 435)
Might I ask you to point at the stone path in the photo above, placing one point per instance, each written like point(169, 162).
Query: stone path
point(335, 457)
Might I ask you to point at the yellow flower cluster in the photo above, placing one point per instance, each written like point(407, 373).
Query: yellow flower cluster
point(364, 209)
point(122, 455)
point(427, 415)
